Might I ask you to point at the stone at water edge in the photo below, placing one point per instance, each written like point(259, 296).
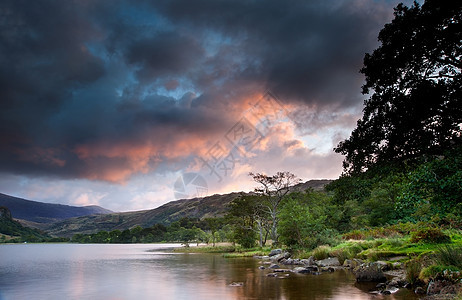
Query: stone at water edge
point(308, 262)
point(328, 262)
point(369, 272)
point(237, 284)
point(275, 252)
point(274, 266)
point(302, 270)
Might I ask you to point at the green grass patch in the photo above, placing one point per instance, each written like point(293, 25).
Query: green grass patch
point(435, 270)
point(206, 249)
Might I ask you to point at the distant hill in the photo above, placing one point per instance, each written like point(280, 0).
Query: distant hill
point(12, 230)
point(39, 212)
point(210, 206)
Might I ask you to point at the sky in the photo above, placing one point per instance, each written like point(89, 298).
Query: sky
point(131, 104)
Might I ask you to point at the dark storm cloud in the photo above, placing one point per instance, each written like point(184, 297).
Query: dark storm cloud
point(105, 89)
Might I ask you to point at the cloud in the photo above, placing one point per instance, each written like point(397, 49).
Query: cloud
point(108, 91)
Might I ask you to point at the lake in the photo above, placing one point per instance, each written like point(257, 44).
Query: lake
point(153, 271)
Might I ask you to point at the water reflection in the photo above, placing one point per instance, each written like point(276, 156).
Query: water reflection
point(67, 271)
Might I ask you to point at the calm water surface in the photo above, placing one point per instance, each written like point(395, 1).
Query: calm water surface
point(152, 271)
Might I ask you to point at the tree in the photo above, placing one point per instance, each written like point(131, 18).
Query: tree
point(273, 189)
point(415, 78)
point(249, 216)
point(213, 225)
point(306, 219)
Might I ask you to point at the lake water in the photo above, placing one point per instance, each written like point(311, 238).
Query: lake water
point(152, 271)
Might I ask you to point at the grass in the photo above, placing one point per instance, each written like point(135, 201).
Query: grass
point(449, 255)
point(321, 252)
point(206, 249)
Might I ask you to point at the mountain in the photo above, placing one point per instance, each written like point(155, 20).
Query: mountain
point(210, 206)
point(39, 212)
point(11, 230)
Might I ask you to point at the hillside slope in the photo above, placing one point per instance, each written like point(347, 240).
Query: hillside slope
point(39, 212)
point(210, 206)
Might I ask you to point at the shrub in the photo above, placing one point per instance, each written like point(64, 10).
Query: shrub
point(341, 254)
point(413, 269)
point(429, 235)
point(321, 252)
point(449, 256)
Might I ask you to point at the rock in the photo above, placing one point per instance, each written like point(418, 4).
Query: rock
point(328, 262)
point(327, 269)
point(369, 272)
point(280, 256)
point(383, 265)
point(308, 262)
point(452, 289)
point(302, 270)
point(275, 252)
point(237, 284)
point(396, 258)
point(261, 267)
point(386, 292)
point(352, 263)
point(274, 266)
point(397, 265)
point(397, 282)
point(381, 285)
point(282, 270)
point(419, 290)
point(272, 275)
point(435, 286)
point(290, 261)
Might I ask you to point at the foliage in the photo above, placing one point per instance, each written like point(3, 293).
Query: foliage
point(429, 235)
point(449, 255)
point(273, 190)
point(245, 237)
point(321, 252)
point(434, 188)
point(248, 216)
point(415, 79)
point(185, 230)
point(413, 269)
point(306, 220)
point(434, 271)
point(18, 233)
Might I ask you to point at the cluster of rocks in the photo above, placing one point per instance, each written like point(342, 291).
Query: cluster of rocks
point(278, 258)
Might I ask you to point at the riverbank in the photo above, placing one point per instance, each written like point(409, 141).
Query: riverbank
point(431, 270)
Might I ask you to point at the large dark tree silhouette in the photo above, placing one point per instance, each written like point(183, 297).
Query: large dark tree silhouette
point(414, 82)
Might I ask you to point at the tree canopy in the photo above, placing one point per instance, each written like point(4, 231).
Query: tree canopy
point(414, 81)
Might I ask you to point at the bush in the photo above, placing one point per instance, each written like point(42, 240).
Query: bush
point(449, 256)
point(321, 252)
point(341, 254)
point(413, 269)
point(429, 235)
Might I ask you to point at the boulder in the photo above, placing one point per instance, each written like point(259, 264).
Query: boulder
point(308, 262)
point(280, 256)
point(383, 265)
point(369, 272)
point(435, 286)
point(274, 266)
point(275, 252)
point(328, 262)
point(351, 263)
point(290, 261)
point(302, 270)
point(419, 290)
